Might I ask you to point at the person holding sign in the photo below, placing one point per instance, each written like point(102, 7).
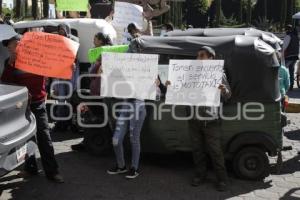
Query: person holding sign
point(132, 114)
point(61, 89)
point(99, 40)
point(36, 87)
point(205, 133)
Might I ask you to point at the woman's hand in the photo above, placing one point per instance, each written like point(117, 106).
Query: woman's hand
point(167, 83)
point(222, 88)
point(100, 71)
point(157, 82)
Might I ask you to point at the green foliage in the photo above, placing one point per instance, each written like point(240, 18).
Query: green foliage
point(200, 5)
point(264, 24)
point(230, 21)
point(6, 11)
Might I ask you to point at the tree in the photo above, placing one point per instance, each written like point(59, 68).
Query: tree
point(248, 5)
point(266, 9)
point(0, 7)
point(218, 12)
point(283, 13)
point(241, 11)
point(249, 12)
point(18, 9)
point(34, 9)
point(197, 12)
point(45, 8)
point(26, 8)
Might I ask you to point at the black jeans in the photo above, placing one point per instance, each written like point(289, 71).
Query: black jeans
point(206, 138)
point(44, 142)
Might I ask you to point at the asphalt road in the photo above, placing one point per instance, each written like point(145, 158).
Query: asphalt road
point(162, 177)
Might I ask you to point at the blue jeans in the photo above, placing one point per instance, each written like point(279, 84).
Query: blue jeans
point(290, 64)
point(134, 113)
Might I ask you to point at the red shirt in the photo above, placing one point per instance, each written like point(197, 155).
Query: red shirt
point(34, 83)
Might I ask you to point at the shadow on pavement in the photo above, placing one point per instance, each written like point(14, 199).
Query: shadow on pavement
point(293, 135)
point(288, 195)
point(63, 136)
point(162, 177)
point(295, 93)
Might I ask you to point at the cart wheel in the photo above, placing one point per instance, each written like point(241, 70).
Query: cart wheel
point(98, 141)
point(251, 163)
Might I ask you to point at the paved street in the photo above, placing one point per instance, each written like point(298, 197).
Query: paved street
point(163, 177)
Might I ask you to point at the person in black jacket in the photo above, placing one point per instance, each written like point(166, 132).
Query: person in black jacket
point(291, 51)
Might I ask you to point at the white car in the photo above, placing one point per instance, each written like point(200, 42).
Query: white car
point(17, 128)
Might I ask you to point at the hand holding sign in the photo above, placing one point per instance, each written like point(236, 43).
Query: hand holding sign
point(46, 54)
point(195, 82)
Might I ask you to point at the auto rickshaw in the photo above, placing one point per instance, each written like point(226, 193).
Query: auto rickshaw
point(251, 66)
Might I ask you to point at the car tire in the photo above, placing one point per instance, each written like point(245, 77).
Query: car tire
point(98, 141)
point(251, 163)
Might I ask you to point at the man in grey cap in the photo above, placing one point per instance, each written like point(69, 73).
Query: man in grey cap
point(206, 134)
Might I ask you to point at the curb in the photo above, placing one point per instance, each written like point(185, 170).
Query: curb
point(293, 108)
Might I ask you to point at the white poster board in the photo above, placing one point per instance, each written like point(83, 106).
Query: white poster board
point(126, 13)
point(128, 75)
point(195, 82)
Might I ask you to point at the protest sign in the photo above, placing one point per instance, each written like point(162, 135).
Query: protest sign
point(195, 82)
point(46, 54)
point(126, 13)
point(94, 53)
point(129, 75)
point(72, 5)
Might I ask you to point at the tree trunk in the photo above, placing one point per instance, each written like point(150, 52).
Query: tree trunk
point(18, 9)
point(283, 14)
point(241, 12)
point(0, 7)
point(34, 9)
point(218, 12)
point(26, 8)
point(249, 12)
point(266, 9)
point(46, 9)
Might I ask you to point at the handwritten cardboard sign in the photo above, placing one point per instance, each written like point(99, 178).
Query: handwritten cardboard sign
point(95, 53)
point(72, 5)
point(46, 54)
point(195, 82)
point(128, 75)
point(126, 13)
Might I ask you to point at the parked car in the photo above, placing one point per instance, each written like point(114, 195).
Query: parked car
point(251, 67)
point(17, 128)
